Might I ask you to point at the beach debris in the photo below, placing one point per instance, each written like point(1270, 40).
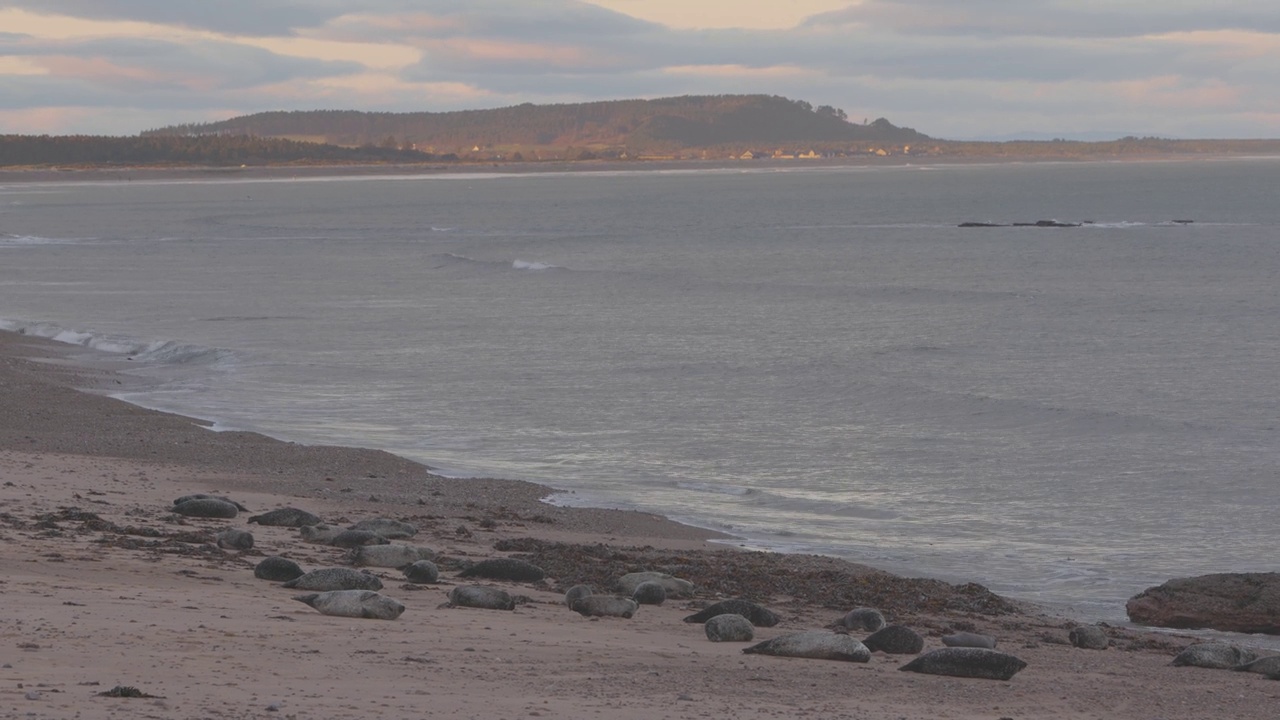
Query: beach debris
point(729, 627)
point(481, 596)
point(813, 644)
point(512, 569)
point(967, 662)
point(126, 691)
point(354, 603)
point(279, 569)
point(335, 579)
point(759, 615)
point(286, 517)
point(895, 640)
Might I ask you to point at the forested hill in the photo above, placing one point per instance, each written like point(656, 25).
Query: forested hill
point(638, 126)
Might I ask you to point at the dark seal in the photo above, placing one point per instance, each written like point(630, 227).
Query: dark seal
point(278, 569)
point(335, 579)
point(758, 615)
point(421, 571)
point(286, 517)
point(895, 640)
point(207, 507)
point(511, 569)
point(967, 663)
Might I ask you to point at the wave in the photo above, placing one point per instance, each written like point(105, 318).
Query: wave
point(444, 260)
point(523, 265)
point(7, 240)
point(152, 352)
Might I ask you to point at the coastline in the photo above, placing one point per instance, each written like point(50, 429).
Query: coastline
point(212, 640)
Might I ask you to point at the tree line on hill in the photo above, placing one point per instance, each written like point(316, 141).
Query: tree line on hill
point(92, 150)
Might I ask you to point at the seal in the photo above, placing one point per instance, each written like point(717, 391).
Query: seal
point(388, 556)
point(512, 569)
point(605, 606)
point(758, 615)
point(356, 538)
point(279, 569)
point(864, 619)
point(575, 593)
point(335, 579)
point(481, 596)
point(320, 534)
point(421, 571)
point(815, 644)
point(1269, 666)
point(895, 640)
point(965, 639)
point(387, 528)
point(1089, 637)
point(286, 517)
point(235, 539)
point(202, 496)
point(675, 587)
point(966, 662)
point(729, 627)
point(206, 508)
point(1215, 655)
point(354, 603)
point(650, 593)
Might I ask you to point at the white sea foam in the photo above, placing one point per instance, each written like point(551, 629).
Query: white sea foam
point(7, 240)
point(159, 352)
point(523, 265)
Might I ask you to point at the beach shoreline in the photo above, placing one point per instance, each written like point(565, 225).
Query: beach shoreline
point(95, 568)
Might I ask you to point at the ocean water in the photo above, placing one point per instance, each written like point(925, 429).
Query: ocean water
point(813, 360)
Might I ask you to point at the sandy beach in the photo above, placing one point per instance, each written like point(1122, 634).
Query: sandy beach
point(104, 586)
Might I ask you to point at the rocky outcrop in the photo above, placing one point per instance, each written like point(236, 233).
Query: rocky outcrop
point(1231, 602)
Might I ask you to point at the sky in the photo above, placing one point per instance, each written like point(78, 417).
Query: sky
point(954, 69)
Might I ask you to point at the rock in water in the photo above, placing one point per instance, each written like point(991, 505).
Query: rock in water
point(729, 627)
point(1232, 602)
point(895, 640)
point(206, 508)
point(335, 579)
point(966, 662)
point(758, 615)
point(511, 569)
point(286, 517)
point(605, 606)
point(480, 596)
point(1215, 655)
point(354, 603)
point(277, 568)
point(815, 644)
point(866, 619)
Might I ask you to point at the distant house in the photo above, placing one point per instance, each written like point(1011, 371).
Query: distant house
point(809, 155)
point(748, 155)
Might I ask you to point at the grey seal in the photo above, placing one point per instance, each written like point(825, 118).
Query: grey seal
point(206, 508)
point(675, 587)
point(320, 534)
point(605, 606)
point(575, 593)
point(1216, 655)
point(356, 538)
point(758, 615)
point(729, 627)
point(421, 571)
point(387, 528)
point(335, 579)
point(389, 556)
point(865, 619)
point(965, 639)
point(895, 640)
point(815, 644)
point(966, 662)
point(235, 539)
point(1089, 637)
point(286, 517)
point(279, 569)
point(481, 596)
point(1269, 666)
point(511, 569)
point(650, 593)
point(203, 496)
point(354, 603)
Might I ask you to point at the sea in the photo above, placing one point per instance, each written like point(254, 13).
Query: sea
point(810, 359)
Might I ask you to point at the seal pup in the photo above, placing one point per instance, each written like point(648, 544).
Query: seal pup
point(575, 593)
point(864, 619)
point(421, 572)
point(650, 593)
point(895, 640)
point(286, 517)
point(605, 606)
point(1089, 637)
point(481, 596)
point(235, 539)
point(966, 639)
point(387, 528)
point(675, 587)
point(1269, 666)
point(511, 569)
point(279, 569)
point(354, 603)
point(388, 556)
point(729, 627)
point(207, 508)
point(335, 579)
point(758, 615)
point(1214, 655)
point(966, 662)
point(815, 644)
point(203, 496)
point(356, 538)
point(320, 534)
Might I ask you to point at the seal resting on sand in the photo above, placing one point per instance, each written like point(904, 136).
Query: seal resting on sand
point(815, 644)
point(335, 579)
point(865, 619)
point(286, 517)
point(422, 571)
point(279, 569)
point(650, 593)
point(387, 528)
point(388, 556)
point(207, 507)
point(481, 596)
point(235, 539)
point(1215, 655)
point(729, 627)
point(895, 640)
point(966, 662)
point(605, 606)
point(576, 593)
point(320, 534)
point(511, 569)
point(356, 538)
point(354, 603)
point(965, 639)
point(1269, 666)
point(675, 587)
point(202, 496)
point(758, 615)
point(1089, 637)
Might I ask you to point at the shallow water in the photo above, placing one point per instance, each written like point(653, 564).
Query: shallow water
point(813, 360)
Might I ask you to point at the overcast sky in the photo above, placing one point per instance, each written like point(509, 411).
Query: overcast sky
point(948, 68)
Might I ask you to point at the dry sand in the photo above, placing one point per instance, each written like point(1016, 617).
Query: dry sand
point(102, 586)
